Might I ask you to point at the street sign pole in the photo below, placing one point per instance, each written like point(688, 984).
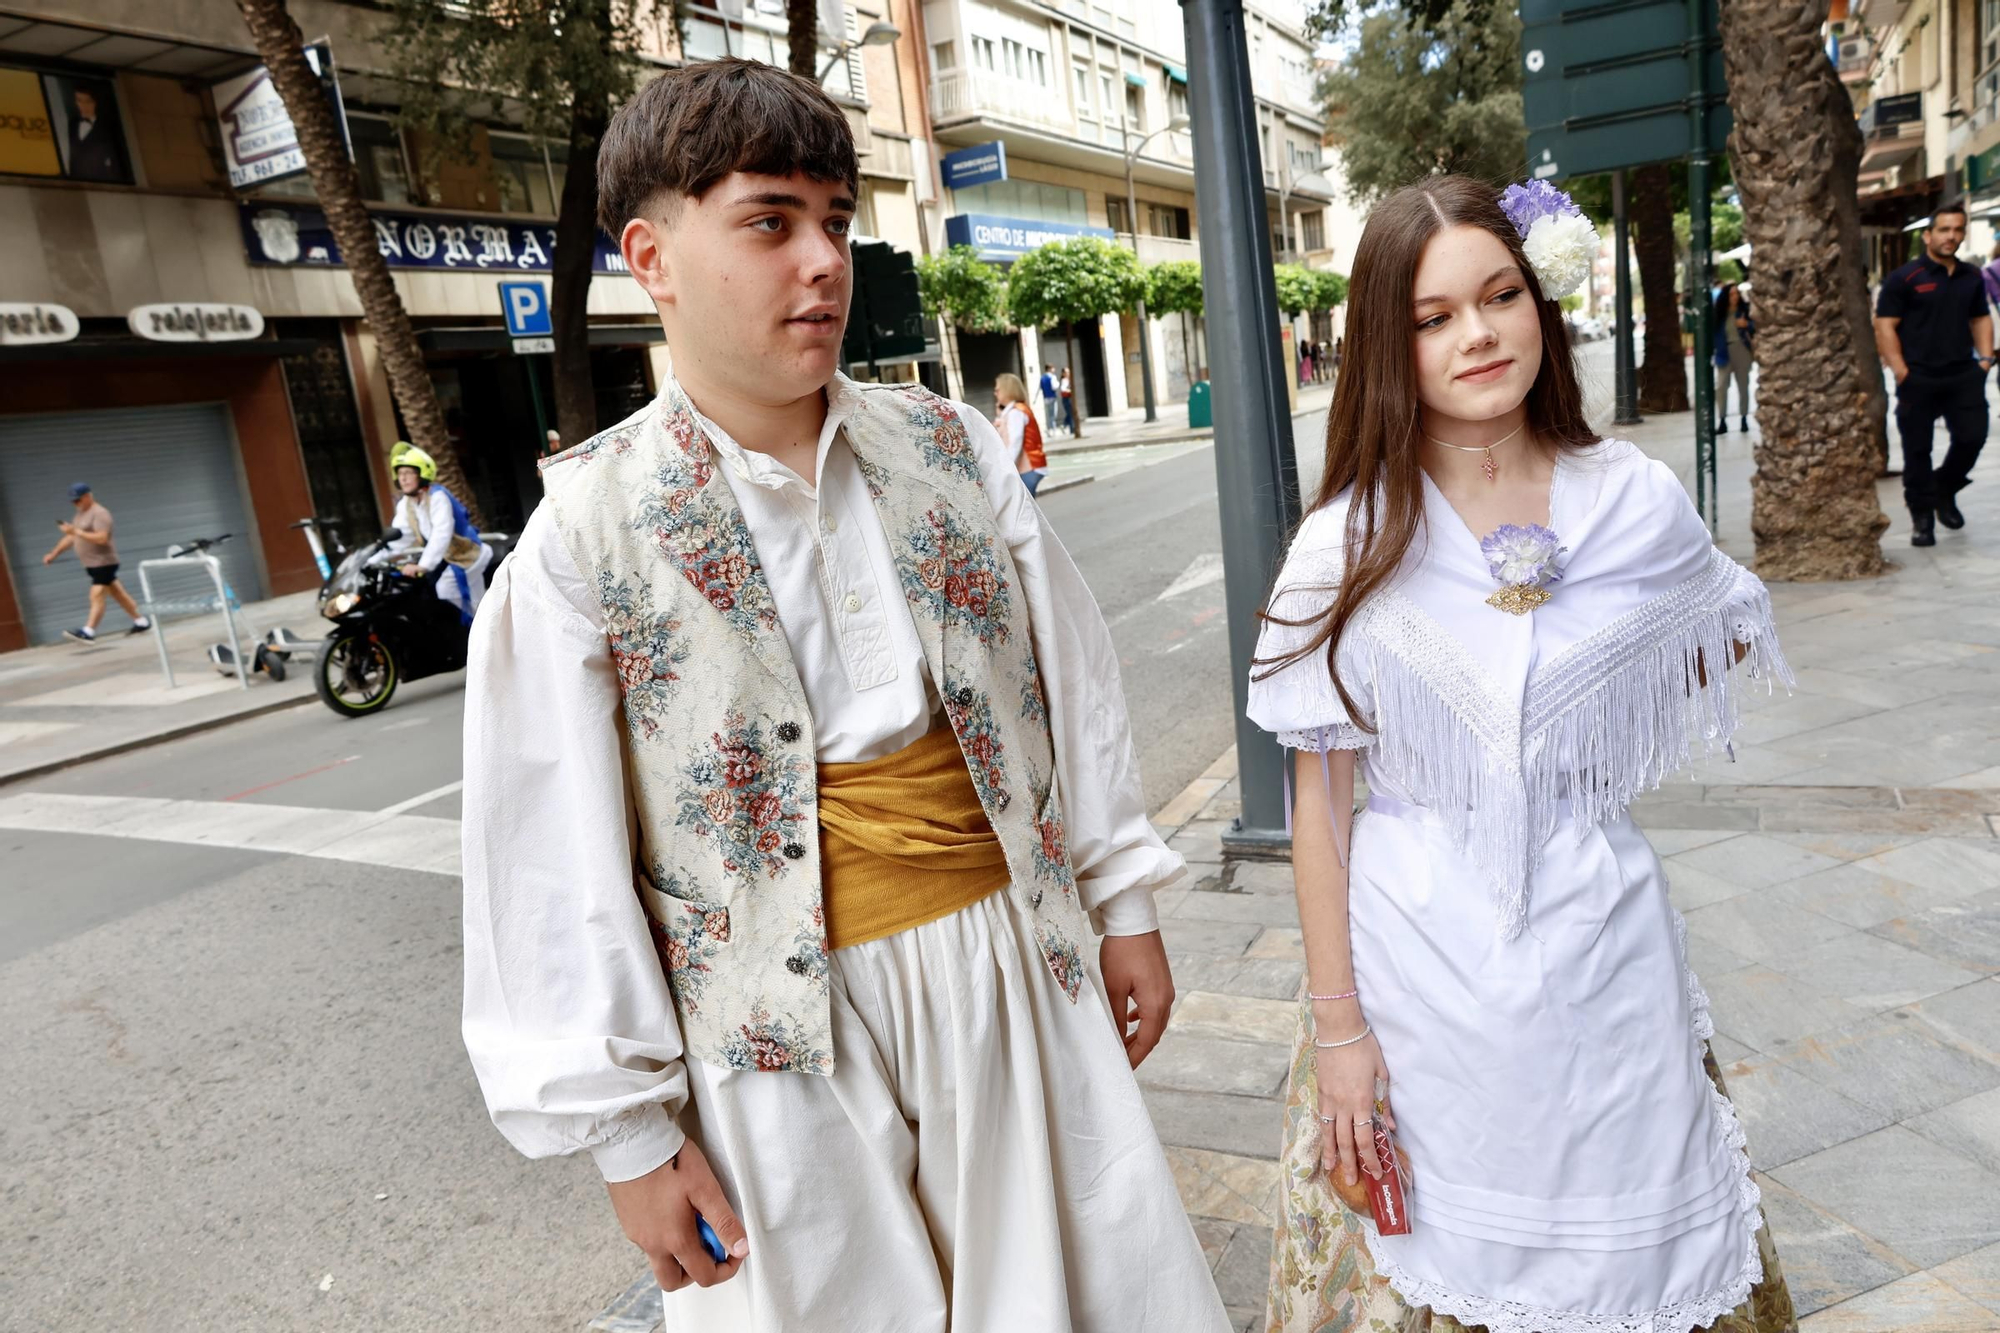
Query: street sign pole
point(1256, 476)
point(1698, 261)
point(1624, 391)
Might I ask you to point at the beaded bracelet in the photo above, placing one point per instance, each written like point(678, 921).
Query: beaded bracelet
point(1344, 995)
point(1366, 1028)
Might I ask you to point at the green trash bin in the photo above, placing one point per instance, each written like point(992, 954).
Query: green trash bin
point(1200, 412)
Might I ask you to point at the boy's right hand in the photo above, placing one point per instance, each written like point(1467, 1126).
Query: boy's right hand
point(658, 1212)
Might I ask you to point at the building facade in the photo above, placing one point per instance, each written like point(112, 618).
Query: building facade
point(190, 344)
point(1061, 95)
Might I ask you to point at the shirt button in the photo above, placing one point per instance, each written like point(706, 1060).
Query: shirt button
point(853, 603)
point(831, 523)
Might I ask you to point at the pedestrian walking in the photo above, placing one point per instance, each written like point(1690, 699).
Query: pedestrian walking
point(1733, 331)
point(89, 534)
point(796, 769)
point(1068, 392)
point(1990, 275)
point(1051, 402)
point(1305, 363)
point(1934, 331)
point(1018, 429)
point(551, 443)
point(1499, 1011)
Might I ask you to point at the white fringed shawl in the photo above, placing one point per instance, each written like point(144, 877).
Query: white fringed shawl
point(1502, 724)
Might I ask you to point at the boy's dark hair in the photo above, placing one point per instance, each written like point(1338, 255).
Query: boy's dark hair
point(691, 127)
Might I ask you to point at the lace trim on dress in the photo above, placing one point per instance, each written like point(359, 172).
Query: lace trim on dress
point(1321, 740)
point(1609, 718)
point(1500, 1316)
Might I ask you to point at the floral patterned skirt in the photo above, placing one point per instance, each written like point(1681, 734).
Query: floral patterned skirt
point(1323, 1281)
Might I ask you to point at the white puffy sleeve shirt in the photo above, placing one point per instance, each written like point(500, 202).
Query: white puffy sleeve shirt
point(568, 1018)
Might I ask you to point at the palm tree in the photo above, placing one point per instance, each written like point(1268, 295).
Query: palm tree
point(281, 46)
point(802, 33)
point(1797, 152)
point(1663, 366)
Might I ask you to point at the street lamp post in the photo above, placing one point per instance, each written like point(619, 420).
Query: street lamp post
point(878, 34)
point(1174, 126)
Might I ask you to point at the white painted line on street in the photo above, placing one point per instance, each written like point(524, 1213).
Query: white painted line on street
point(422, 798)
point(401, 842)
point(1203, 570)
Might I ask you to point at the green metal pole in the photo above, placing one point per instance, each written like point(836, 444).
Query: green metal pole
point(1699, 237)
point(532, 364)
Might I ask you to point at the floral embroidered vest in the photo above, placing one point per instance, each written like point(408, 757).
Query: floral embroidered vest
point(721, 760)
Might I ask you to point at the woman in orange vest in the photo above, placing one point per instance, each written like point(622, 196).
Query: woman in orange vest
point(1018, 427)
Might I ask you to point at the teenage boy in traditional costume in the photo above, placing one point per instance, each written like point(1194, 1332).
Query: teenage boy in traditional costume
point(797, 778)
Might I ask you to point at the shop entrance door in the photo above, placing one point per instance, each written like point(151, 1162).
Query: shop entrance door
point(165, 473)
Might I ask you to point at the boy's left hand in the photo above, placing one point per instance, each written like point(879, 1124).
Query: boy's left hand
point(1140, 986)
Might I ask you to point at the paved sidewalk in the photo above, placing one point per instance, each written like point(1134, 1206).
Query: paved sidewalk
point(1124, 429)
point(64, 703)
point(1841, 883)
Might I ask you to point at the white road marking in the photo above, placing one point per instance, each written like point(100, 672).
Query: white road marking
point(399, 841)
point(422, 798)
point(1203, 570)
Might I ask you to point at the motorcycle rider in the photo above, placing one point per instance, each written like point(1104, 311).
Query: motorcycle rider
point(431, 518)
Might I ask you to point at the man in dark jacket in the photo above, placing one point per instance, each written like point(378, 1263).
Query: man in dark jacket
point(1935, 333)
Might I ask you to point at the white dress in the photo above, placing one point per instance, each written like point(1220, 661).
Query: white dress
point(1512, 939)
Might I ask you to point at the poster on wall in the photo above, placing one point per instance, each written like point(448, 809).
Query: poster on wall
point(61, 125)
point(259, 144)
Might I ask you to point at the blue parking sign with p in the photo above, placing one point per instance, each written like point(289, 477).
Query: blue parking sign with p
point(526, 305)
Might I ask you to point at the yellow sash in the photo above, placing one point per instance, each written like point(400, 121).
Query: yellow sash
point(903, 840)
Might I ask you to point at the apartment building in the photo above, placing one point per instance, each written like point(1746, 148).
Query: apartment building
point(192, 346)
point(1060, 95)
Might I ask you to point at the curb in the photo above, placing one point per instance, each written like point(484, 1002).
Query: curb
point(1065, 484)
point(173, 733)
point(1192, 799)
point(1088, 445)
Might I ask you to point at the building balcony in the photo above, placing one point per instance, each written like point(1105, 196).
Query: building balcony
point(979, 94)
point(1160, 249)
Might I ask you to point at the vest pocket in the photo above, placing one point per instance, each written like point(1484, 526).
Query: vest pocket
point(689, 936)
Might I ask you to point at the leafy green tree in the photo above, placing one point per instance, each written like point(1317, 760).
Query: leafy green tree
point(1298, 290)
point(961, 287)
point(1331, 289)
point(1067, 281)
point(559, 66)
point(1173, 287)
point(1413, 98)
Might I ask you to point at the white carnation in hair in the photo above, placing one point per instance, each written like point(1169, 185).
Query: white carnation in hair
point(1561, 248)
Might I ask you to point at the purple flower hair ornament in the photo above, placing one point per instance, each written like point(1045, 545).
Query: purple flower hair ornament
point(1524, 560)
point(1557, 238)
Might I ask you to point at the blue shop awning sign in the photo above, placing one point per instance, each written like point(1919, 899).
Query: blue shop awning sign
point(297, 236)
point(981, 164)
point(1010, 238)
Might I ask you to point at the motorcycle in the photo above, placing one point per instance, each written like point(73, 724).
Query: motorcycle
point(388, 628)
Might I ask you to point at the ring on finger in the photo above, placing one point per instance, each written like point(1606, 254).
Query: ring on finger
point(1329, 1120)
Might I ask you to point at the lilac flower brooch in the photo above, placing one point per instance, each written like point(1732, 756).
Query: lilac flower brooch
point(1524, 561)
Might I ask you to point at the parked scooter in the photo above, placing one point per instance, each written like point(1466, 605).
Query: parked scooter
point(388, 628)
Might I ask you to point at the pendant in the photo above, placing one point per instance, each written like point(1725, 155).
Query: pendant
point(1486, 466)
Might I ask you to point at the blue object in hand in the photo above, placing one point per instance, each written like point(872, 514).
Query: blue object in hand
point(710, 1241)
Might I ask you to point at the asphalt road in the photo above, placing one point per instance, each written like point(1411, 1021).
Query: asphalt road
point(235, 1094)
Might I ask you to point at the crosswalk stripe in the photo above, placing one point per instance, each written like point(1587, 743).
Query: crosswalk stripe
point(368, 837)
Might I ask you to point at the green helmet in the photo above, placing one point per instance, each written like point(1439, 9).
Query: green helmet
point(406, 454)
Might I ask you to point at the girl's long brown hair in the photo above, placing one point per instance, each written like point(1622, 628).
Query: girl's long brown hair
point(1373, 428)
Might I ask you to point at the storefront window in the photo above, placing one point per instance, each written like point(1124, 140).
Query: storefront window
point(63, 125)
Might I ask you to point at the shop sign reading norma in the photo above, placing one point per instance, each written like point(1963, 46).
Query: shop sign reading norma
point(297, 235)
point(25, 323)
point(196, 322)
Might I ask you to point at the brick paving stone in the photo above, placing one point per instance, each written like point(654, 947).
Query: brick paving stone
point(1264, 909)
point(1874, 973)
point(1919, 1303)
point(1857, 896)
point(1969, 1127)
point(1977, 1276)
point(1236, 1017)
point(1185, 1063)
point(1246, 1126)
point(1787, 1116)
point(1968, 1018)
point(1966, 933)
point(1825, 1260)
point(1892, 1064)
point(1755, 861)
point(1199, 935)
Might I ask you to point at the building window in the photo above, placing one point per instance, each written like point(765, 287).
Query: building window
point(64, 125)
point(1312, 227)
point(864, 209)
point(529, 181)
point(1017, 198)
point(1082, 74)
point(982, 53)
point(1114, 213)
point(1177, 95)
point(1134, 109)
point(1039, 62)
point(1167, 220)
point(379, 160)
point(944, 55)
point(1110, 100)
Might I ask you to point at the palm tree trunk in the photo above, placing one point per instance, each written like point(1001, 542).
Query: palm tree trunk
point(576, 246)
point(281, 47)
point(1796, 152)
point(1663, 371)
point(802, 35)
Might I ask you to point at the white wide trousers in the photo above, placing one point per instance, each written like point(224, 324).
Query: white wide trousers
point(980, 1161)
